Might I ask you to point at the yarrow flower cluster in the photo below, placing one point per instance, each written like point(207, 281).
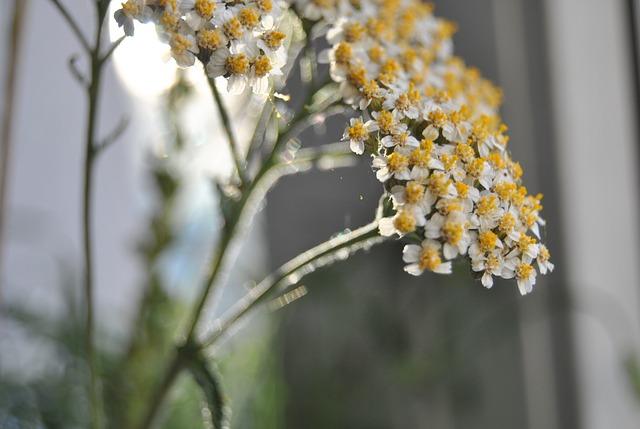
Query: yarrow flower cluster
point(431, 124)
point(436, 138)
point(239, 39)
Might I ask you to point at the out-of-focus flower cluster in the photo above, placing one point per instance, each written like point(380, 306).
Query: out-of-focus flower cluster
point(237, 39)
point(438, 143)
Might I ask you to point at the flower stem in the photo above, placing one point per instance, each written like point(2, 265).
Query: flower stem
point(93, 95)
point(245, 207)
point(321, 255)
point(226, 123)
point(97, 63)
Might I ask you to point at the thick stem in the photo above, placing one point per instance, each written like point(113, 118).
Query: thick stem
point(170, 376)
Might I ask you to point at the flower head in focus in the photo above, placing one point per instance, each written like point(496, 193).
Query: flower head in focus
point(433, 128)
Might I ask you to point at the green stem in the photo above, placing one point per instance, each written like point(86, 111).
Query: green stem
point(73, 25)
point(253, 192)
point(93, 94)
point(322, 254)
point(91, 151)
point(170, 376)
point(226, 123)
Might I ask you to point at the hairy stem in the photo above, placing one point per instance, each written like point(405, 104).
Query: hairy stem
point(321, 255)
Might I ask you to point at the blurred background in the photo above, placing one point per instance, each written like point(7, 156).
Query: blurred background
point(367, 346)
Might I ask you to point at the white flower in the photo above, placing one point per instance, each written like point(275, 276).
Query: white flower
point(544, 264)
point(452, 229)
point(183, 48)
point(526, 247)
point(395, 165)
point(132, 9)
point(235, 66)
point(401, 138)
point(357, 133)
point(524, 273)
point(490, 264)
point(401, 104)
point(488, 211)
point(425, 257)
point(413, 196)
point(404, 222)
point(199, 12)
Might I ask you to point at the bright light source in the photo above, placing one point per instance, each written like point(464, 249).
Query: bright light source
point(143, 62)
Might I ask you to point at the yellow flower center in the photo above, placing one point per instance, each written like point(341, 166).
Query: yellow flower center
point(430, 259)
point(397, 161)
point(343, 53)
point(233, 28)
point(402, 102)
point(492, 263)
point(438, 118)
point(169, 20)
point(179, 43)
point(400, 139)
point(496, 159)
point(449, 206)
point(385, 121)
point(265, 5)
point(507, 223)
point(273, 39)
point(404, 222)
point(262, 65)
point(204, 8)
point(420, 158)
point(543, 253)
point(165, 3)
point(524, 242)
point(376, 54)
point(414, 192)
point(354, 32)
point(476, 167)
point(463, 189)
point(370, 89)
point(438, 184)
point(210, 39)
point(131, 8)
point(516, 170)
point(487, 205)
point(487, 241)
point(426, 144)
point(465, 152)
point(237, 64)
point(390, 67)
point(452, 232)
point(249, 17)
point(524, 271)
point(357, 76)
point(323, 4)
point(505, 190)
point(358, 131)
point(449, 161)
